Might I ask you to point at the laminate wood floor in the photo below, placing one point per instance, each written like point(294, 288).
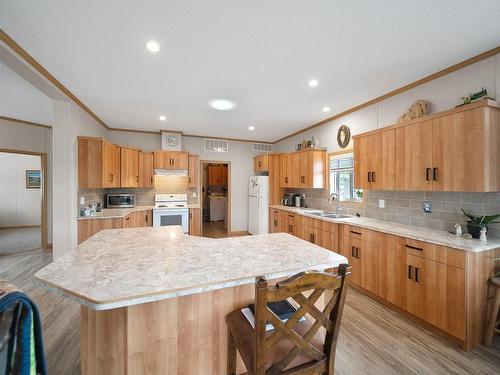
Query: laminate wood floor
point(15, 240)
point(373, 339)
point(214, 229)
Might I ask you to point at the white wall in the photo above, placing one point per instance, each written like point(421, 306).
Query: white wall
point(443, 93)
point(240, 156)
point(20, 206)
point(21, 100)
point(70, 121)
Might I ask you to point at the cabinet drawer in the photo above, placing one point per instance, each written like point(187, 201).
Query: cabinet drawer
point(442, 254)
point(361, 233)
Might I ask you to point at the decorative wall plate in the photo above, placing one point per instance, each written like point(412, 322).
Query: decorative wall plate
point(172, 140)
point(343, 136)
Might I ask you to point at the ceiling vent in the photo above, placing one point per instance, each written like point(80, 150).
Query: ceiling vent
point(262, 147)
point(216, 145)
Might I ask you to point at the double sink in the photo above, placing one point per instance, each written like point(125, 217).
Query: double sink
point(328, 214)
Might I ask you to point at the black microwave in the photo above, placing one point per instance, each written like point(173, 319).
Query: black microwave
point(120, 200)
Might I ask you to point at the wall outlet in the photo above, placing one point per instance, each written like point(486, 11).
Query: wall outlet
point(82, 200)
point(427, 206)
point(194, 194)
point(381, 203)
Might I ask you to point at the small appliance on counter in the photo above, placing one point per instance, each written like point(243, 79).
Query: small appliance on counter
point(120, 200)
point(289, 199)
point(299, 200)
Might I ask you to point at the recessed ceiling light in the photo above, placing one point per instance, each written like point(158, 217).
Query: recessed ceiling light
point(251, 128)
point(313, 83)
point(326, 109)
point(222, 104)
point(153, 46)
point(163, 118)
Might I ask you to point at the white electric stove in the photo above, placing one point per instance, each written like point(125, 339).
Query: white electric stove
point(171, 209)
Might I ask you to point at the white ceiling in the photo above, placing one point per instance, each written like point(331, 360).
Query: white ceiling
point(259, 53)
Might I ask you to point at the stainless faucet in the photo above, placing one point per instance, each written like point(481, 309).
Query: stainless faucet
point(334, 199)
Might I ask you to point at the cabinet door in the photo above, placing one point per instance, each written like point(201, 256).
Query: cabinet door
point(88, 227)
point(289, 222)
point(180, 160)
point(275, 224)
point(145, 170)
point(392, 270)
point(294, 171)
point(194, 162)
point(285, 170)
point(129, 172)
point(361, 162)
point(162, 160)
point(382, 160)
point(414, 161)
point(353, 244)
point(110, 165)
point(128, 222)
point(224, 174)
point(261, 163)
point(194, 222)
point(305, 173)
point(439, 292)
point(458, 151)
point(367, 255)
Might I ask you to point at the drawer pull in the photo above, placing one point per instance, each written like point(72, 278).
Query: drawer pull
point(354, 232)
point(369, 176)
point(275, 222)
point(410, 272)
point(353, 251)
point(373, 176)
point(427, 174)
point(416, 274)
point(414, 248)
point(357, 252)
point(435, 174)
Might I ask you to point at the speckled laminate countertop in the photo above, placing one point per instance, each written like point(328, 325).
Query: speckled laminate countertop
point(437, 237)
point(122, 267)
point(116, 213)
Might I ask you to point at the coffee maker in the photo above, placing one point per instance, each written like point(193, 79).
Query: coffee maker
point(289, 199)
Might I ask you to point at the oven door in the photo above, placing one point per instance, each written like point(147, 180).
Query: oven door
point(172, 216)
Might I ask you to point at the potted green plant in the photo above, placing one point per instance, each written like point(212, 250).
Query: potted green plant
point(476, 223)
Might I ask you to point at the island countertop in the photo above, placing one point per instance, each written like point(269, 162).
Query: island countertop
point(123, 267)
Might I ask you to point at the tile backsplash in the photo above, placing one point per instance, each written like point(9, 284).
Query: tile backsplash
point(406, 207)
point(143, 197)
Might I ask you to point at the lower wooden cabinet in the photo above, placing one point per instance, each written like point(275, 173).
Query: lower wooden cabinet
point(138, 219)
point(88, 227)
point(275, 225)
point(289, 223)
point(194, 222)
point(392, 270)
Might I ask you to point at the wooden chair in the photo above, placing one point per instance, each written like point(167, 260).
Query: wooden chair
point(493, 323)
point(297, 346)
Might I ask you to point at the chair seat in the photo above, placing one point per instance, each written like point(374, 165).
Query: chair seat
point(244, 337)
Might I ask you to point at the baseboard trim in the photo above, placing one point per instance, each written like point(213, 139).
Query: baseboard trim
point(21, 226)
point(239, 233)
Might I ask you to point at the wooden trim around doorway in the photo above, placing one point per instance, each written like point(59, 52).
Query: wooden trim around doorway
point(228, 207)
point(43, 169)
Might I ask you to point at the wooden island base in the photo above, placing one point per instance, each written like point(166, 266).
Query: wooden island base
point(183, 335)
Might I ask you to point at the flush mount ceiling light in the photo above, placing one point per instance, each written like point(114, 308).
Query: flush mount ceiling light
point(313, 83)
point(251, 128)
point(222, 104)
point(153, 46)
point(326, 109)
point(163, 118)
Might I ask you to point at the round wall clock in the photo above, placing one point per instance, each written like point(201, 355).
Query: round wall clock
point(172, 140)
point(343, 136)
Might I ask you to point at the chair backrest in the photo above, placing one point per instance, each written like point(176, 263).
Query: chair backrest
point(317, 283)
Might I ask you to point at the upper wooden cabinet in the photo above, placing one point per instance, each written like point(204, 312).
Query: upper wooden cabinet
point(374, 160)
point(261, 163)
point(455, 150)
point(129, 170)
point(171, 160)
point(303, 169)
point(98, 163)
point(145, 170)
point(193, 171)
point(217, 175)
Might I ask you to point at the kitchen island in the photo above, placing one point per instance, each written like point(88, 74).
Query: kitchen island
point(154, 300)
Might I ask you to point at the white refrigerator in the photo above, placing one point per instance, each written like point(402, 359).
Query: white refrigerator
point(258, 204)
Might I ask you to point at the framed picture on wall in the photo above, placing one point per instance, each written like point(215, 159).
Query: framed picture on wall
point(33, 179)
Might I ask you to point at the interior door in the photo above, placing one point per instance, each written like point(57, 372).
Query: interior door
point(414, 161)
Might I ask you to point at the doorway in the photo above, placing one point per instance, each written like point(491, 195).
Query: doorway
point(216, 198)
point(23, 186)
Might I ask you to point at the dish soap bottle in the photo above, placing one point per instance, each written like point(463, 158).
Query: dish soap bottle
point(482, 237)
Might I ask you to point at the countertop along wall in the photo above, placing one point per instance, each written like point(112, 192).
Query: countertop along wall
point(443, 93)
point(240, 156)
